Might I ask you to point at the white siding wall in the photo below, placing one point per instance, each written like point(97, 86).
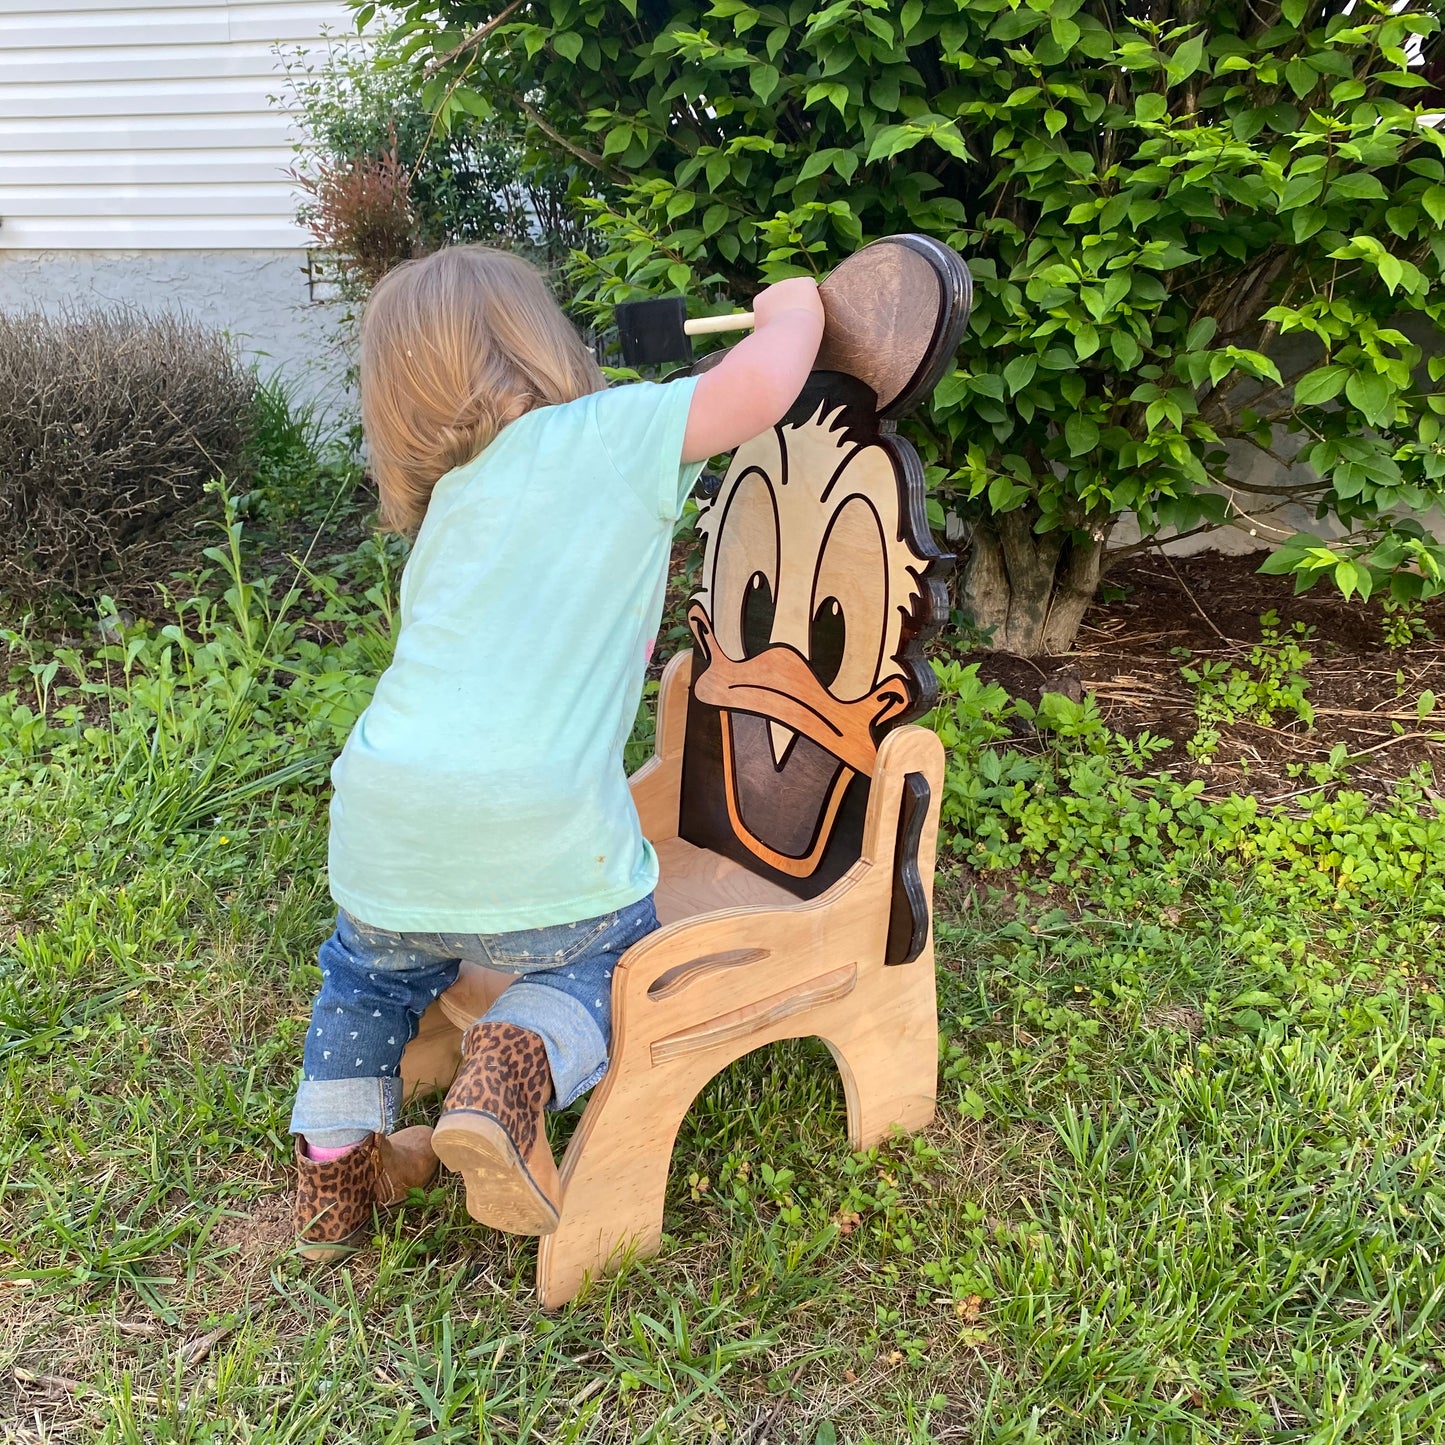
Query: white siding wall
point(144, 124)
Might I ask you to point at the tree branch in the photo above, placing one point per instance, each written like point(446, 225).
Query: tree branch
point(1288, 495)
point(589, 158)
point(473, 40)
point(1145, 544)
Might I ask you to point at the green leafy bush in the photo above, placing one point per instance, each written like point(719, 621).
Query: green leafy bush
point(1194, 234)
point(111, 424)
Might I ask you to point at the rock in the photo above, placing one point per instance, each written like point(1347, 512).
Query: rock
point(1066, 680)
point(111, 628)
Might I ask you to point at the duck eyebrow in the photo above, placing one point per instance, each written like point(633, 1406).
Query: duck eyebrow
point(842, 467)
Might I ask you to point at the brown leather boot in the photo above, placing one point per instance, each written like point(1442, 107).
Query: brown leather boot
point(492, 1132)
point(335, 1197)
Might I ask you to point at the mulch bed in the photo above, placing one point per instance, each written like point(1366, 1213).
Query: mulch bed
point(1363, 692)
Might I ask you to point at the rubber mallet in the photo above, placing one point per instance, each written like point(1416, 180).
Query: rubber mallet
point(892, 316)
point(658, 331)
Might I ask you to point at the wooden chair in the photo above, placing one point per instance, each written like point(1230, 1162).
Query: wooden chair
point(793, 817)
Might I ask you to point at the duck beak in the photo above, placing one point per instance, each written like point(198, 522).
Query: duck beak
point(777, 684)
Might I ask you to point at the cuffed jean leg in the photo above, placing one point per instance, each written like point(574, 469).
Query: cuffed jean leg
point(335, 1113)
point(575, 1042)
point(373, 993)
point(570, 1007)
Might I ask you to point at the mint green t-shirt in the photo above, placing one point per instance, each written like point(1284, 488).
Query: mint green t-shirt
point(483, 791)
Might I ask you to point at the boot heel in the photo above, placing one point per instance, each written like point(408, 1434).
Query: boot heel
point(492, 1131)
point(502, 1190)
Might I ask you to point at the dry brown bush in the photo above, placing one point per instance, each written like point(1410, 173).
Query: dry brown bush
point(111, 424)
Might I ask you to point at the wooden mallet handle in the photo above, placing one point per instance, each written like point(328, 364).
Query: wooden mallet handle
point(711, 325)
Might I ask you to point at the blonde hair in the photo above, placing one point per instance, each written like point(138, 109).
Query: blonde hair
point(453, 347)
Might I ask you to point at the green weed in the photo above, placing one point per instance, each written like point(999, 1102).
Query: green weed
point(1270, 685)
point(1404, 623)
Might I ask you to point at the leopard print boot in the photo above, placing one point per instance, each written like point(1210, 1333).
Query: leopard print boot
point(492, 1132)
point(335, 1197)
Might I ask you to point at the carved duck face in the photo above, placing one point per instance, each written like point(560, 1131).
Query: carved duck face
point(812, 585)
point(819, 581)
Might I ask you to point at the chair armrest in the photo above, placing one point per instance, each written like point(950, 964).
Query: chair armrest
point(701, 970)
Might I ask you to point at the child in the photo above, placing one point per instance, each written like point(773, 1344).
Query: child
point(480, 809)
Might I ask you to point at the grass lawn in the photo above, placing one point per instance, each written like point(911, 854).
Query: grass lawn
point(1184, 1182)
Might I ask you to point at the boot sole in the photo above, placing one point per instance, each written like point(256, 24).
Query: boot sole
point(332, 1253)
point(500, 1189)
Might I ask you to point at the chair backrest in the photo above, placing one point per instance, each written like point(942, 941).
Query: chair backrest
point(820, 582)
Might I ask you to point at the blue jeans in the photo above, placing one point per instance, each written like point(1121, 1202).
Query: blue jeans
point(375, 986)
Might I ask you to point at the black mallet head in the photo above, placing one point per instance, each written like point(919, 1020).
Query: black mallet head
point(651, 331)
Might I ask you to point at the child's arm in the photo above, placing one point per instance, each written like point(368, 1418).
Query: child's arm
point(753, 387)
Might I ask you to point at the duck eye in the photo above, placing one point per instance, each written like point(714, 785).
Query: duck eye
point(758, 610)
point(827, 641)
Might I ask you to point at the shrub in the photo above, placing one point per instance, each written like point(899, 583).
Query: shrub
point(384, 179)
point(1151, 198)
point(111, 424)
point(360, 212)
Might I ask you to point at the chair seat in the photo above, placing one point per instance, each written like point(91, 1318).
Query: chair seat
point(695, 880)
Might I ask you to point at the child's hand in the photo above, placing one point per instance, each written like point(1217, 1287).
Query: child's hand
point(755, 384)
point(800, 293)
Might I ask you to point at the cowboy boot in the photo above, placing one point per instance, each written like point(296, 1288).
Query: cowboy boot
point(492, 1131)
point(335, 1197)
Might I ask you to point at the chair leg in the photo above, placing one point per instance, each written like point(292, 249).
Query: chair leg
point(614, 1181)
point(431, 1060)
point(888, 1056)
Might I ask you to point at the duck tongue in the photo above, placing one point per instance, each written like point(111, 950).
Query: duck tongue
point(781, 803)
